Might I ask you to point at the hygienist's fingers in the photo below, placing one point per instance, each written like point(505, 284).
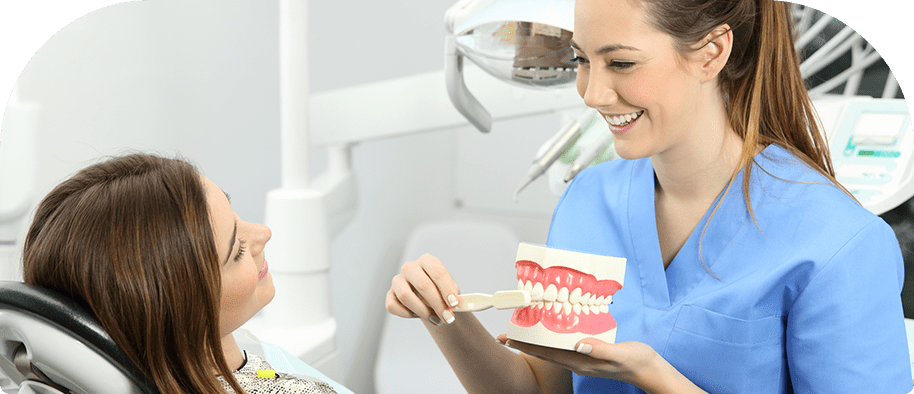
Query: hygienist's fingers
point(426, 291)
point(447, 287)
point(403, 293)
point(394, 307)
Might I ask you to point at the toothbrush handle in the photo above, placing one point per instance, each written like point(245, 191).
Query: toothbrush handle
point(473, 302)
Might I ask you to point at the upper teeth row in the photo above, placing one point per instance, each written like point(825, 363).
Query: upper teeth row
point(553, 294)
point(620, 120)
point(567, 307)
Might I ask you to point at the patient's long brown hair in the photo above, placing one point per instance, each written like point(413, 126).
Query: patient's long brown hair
point(132, 238)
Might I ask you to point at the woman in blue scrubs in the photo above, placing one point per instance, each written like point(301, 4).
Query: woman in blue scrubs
point(750, 269)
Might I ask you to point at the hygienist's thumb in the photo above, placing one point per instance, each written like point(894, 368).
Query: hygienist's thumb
point(589, 346)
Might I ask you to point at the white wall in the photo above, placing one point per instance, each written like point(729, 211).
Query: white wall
point(200, 77)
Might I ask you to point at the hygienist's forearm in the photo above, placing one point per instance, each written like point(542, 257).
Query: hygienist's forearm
point(480, 362)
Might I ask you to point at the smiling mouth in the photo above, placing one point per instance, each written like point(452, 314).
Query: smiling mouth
point(623, 120)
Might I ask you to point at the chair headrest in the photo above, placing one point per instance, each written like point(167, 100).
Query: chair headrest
point(68, 315)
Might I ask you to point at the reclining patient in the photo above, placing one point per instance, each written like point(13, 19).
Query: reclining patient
point(154, 249)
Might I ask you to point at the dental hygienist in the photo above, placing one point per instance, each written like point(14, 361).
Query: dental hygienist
point(750, 269)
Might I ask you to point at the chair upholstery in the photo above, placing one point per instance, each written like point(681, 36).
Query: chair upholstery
point(63, 341)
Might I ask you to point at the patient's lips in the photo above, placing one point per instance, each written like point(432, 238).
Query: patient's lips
point(565, 300)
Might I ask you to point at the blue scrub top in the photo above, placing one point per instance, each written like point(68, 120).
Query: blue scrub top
point(805, 299)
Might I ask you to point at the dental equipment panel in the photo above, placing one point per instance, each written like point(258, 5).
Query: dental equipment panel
point(871, 146)
point(571, 292)
point(526, 42)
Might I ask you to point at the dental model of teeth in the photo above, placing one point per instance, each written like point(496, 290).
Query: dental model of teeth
point(564, 301)
point(623, 120)
point(570, 296)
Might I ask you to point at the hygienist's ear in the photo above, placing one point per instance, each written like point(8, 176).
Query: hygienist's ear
point(713, 53)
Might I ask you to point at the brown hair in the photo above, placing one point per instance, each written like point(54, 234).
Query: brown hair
point(131, 237)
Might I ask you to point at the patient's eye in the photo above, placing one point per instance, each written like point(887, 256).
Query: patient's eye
point(241, 249)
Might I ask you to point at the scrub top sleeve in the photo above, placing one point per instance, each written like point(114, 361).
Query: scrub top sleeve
point(845, 331)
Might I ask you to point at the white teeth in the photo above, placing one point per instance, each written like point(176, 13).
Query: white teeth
point(575, 297)
point(565, 301)
point(537, 292)
point(623, 120)
point(550, 294)
point(563, 295)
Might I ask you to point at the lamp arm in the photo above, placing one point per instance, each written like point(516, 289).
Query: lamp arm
point(457, 90)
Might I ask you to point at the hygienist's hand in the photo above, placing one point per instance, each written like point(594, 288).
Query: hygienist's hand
point(631, 362)
point(423, 289)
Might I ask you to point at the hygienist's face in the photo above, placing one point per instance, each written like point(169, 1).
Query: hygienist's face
point(633, 75)
point(247, 285)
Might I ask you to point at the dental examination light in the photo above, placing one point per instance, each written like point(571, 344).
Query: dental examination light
point(524, 42)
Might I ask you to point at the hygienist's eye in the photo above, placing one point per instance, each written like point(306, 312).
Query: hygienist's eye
point(622, 65)
point(578, 60)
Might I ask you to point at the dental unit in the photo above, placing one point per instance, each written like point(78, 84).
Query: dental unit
point(556, 148)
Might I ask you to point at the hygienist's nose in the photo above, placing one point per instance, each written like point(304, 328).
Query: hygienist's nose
point(597, 90)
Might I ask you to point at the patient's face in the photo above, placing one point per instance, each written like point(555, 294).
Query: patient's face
point(247, 285)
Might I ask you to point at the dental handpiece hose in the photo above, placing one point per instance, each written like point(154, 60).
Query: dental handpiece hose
point(588, 155)
point(566, 137)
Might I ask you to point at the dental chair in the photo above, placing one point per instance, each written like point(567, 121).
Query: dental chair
point(50, 344)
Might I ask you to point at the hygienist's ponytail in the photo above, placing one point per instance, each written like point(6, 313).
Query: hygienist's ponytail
point(771, 106)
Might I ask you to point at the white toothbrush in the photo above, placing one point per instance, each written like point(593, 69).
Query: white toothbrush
point(508, 299)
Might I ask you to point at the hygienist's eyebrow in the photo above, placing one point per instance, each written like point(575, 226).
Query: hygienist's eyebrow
point(607, 49)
